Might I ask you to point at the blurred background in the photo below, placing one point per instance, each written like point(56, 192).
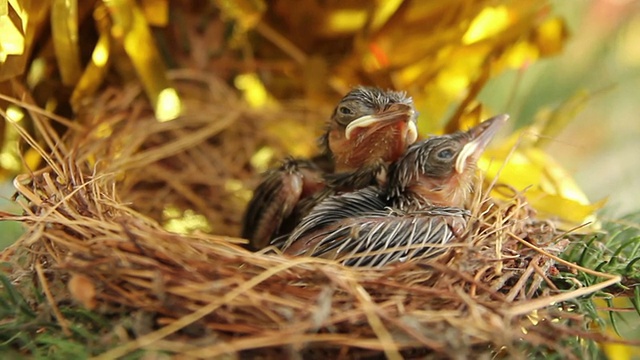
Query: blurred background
point(599, 71)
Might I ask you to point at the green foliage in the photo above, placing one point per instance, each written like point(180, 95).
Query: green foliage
point(616, 250)
point(28, 326)
point(574, 345)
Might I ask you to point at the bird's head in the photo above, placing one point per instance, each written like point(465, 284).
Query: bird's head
point(440, 170)
point(370, 126)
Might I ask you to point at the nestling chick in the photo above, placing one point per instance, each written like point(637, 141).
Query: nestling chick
point(414, 215)
point(369, 129)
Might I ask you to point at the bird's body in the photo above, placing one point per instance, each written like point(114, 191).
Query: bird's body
point(369, 129)
point(414, 215)
point(360, 229)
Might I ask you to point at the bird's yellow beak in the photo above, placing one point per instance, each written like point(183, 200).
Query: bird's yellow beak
point(395, 113)
point(481, 135)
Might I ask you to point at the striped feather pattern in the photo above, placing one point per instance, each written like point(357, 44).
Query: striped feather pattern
point(359, 229)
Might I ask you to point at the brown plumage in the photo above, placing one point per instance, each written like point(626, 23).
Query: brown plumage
point(368, 129)
point(440, 171)
point(414, 215)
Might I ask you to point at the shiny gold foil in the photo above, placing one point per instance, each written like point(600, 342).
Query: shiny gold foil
point(20, 20)
point(64, 31)
point(130, 29)
point(246, 13)
point(94, 73)
point(156, 11)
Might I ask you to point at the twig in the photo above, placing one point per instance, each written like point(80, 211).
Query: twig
point(529, 306)
point(64, 325)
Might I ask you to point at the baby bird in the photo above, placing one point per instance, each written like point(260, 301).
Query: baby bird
point(415, 215)
point(369, 129)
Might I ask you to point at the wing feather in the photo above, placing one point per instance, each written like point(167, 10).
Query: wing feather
point(274, 201)
point(360, 230)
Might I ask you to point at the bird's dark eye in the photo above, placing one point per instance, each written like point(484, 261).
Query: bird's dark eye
point(345, 110)
point(445, 154)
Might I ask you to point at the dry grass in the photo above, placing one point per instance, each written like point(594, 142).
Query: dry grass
point(93, 214)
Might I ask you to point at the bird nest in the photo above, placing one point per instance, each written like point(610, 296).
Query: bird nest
point(94, 218)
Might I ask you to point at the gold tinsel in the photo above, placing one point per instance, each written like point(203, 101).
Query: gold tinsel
point(442, 54)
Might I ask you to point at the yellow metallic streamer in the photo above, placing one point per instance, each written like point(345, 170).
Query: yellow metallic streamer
point(14, 114)
point(246, 13)
point(11, 33)
point(345, 21)
point(130, 28)
point(383, 11)
point(184, 222)
point(168, 106)
point(64, 31)
point(19, 22)
point(262, 159)
point(97, 68)
point(238, 189)
point(10, 162)
point(94, 73)
point(489, 22)
point(253, 90)
point(549, 188)
point(37, 71)
point(520, 54)
point(156, 11)
point(615, 350)
point(550, 36)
